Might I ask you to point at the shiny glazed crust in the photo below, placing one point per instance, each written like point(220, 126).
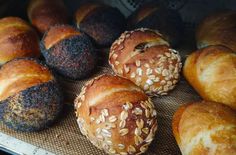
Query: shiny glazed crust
point(205, 128)
point(212, 73)
point(115, 115)
point(17, 39)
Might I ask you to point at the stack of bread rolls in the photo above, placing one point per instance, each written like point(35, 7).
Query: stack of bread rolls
point(145, 57)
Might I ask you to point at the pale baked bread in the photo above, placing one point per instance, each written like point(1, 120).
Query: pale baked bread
point(116, 115)
point(205, 128)
point(212, 73)
point(145, 58)
point(218, 29)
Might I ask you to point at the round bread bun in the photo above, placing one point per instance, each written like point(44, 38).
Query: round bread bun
point(102, 23)
point(207, 128)
point(46, 13)
point(167, 21)
point(17, 39)
point(144, 57)
point(68, 51)
point(30, 99)
point(116, 115)
point(218, 29)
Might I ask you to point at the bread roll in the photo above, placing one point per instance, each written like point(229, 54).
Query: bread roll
point(218, 29)
point(68, 51)
point(116, 115)
point(30, 98)
point(205, 128)
point(144, 57)
point(212, 73)
point(102, 23)
point(46, 13)
point(168, 22)
point(17, 39)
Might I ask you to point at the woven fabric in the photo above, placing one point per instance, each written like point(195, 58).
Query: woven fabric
point(64, 137)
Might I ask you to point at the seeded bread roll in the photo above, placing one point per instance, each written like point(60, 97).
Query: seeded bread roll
point(218, 29)
point(30, 99)
point(17, 39)
point(168, 22)
point(212, 73)
point(205, 128)
point(145, 58)
point(68, 51)
point(102, 23)
point(116, 115)
point(46, 13)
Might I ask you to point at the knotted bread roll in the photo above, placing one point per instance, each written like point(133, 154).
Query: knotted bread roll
point(205, 128)
point(116, 115)
point(144, 57)
point(17, 39)
point(218, 29)
point(30, 98)
point(212, 73)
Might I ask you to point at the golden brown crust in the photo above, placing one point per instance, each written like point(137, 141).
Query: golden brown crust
point(115, 115)
point(218, 29)
point(58, 33)
point(84, 10)
point(212, 72)
point(145, 58)
point(18, 75)
point(44, 13)
point(17, 39)
point(205, 128)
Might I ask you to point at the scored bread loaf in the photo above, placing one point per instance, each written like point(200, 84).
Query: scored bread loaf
point(145, 58)
point(212, 73)
point(17, 39)
point(46, 13)
point(30, 98)
point(116, 115)
point(218, 29)
point(207, 128)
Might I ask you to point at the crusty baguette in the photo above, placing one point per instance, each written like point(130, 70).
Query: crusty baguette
point(205, 128)
point(212, 72)
point(116, 115)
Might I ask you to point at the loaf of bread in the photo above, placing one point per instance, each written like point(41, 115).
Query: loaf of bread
point(102, 23)
point(144, 57)
point(17, 39)
point(212, 73)
point(207, 128)
point(46, 13)
point(168, 22)
point(218, 29)
point(116, 115)
point(68, 51)
point(30, 98)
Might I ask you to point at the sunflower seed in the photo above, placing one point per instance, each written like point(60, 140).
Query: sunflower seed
point(138, 140)
point(122, 124)
point(147, 113)
point(121, 146)
point(124, 131)
point(137, 131)
point(140, 123)
point(131, 149)
point(112, 119)
point(123, 115)
point(145, 130)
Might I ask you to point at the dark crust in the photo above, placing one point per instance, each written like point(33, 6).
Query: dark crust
point(168, 22)
point(44, 99)
point(104, 25)
point(73, 57)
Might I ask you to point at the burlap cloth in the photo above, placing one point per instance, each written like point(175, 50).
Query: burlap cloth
point(65, 138)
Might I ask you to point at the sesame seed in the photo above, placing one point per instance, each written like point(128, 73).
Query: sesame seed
point(117, 62)
point(148, 71)
point(137, 131)
point(139, 71)
point(137, 111)
point(112, 119)
point(124, 131)
point(114, 56)
point(146, 65)
point(121, 146)
point(140, 123)
point(149, 82)
point(138, 63)
point(132, 75)
point(122, 124)
point(145, 130)
point(123, 115)
point(131, 149)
